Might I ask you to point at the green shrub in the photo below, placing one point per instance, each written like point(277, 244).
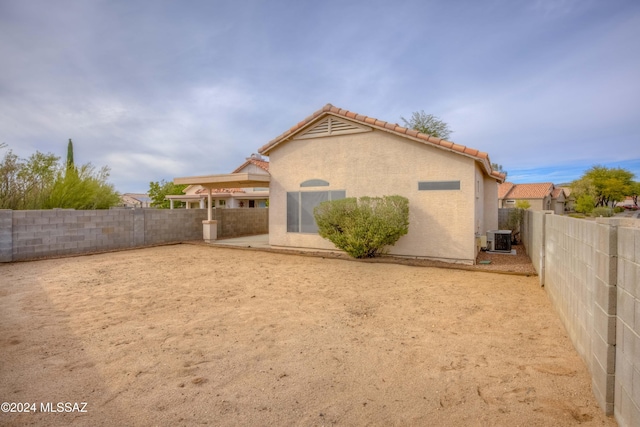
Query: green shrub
point(585, 203)
point(618, 209)
point(363, 227)
point(602, 211)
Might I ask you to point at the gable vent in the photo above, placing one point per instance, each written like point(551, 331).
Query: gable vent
point(332, 126)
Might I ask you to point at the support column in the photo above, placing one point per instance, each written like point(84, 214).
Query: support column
point(170, 203)
point(210, 231)
point(209, 207)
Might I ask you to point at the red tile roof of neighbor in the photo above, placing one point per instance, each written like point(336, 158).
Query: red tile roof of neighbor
point(480, 156)
point(556, 192)
point(524, 191)
point(504, 188)
point(262, 164)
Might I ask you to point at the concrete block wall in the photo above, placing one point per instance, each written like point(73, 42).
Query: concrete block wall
point(172, 225)
point(241, 222)
point(36, 234)
point(42, 233)
point(627, 379)
point(591, 271)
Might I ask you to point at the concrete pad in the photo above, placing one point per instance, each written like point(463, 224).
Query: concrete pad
point(257, 241)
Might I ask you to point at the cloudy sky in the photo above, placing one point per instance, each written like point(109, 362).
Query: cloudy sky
point(159, 89)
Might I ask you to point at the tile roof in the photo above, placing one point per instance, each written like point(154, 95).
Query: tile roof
point(480, 156)
point(262, 164)
point(504, 188)
point(220, 191)
point(526, 191)
point(556, 192)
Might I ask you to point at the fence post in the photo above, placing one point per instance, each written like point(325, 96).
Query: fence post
point(543, 246)
point(138, 227)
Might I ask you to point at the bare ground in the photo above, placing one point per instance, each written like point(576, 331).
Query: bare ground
point(190, 334)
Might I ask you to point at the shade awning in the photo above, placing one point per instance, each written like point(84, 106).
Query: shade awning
point(227, 180)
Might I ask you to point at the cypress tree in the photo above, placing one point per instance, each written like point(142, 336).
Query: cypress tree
point(70, 164)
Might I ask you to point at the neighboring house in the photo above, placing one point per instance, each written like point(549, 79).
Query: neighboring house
point(335, 153)
point(542, 196)
point(135, 200)
point(195, 196)
point(569, 200)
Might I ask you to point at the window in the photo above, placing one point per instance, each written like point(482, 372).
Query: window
point(300, 205)
point(438, 185)
point(252, 203)
point(222, 202)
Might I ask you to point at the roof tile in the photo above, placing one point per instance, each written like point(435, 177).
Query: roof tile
point(527, 191)
point(328, 108)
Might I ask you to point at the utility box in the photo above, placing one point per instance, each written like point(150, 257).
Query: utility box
point(499, 240)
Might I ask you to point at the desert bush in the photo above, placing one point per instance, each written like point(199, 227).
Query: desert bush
point(618, 209)
point(602, 211)
point(585, 204)
point(363, 227)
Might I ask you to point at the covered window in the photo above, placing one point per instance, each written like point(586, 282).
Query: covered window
point(300, 205)
point(438, 185)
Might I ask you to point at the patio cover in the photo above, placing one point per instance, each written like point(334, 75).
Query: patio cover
point(226, 180)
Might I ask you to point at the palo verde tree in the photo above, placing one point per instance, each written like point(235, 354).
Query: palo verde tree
point(601, 186)
point(429, 124)
point(363, 227)
point(635, 192)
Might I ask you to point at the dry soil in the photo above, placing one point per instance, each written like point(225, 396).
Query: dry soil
point(196, 335)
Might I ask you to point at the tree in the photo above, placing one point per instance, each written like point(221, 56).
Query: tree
point(635, 192)
point(429, 124)
point(158, 191)
point(523, 204)
point(42, 182)
point(9, 184)
point(70, 164)
point(605, 186)
point(25, 184)
point(82, 188)
point(363, 227)
point(498, 168)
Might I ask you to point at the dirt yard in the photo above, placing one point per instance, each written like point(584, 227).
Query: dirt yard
point(191, 335)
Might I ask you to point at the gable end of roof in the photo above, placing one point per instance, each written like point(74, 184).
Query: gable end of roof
point(479, 156)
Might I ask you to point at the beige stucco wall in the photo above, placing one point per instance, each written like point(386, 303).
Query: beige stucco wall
point(442, 223)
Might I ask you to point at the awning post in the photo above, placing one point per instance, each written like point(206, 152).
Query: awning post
point(209, 207)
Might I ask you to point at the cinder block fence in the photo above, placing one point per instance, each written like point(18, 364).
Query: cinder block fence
point(36, 234)
point(591, 271)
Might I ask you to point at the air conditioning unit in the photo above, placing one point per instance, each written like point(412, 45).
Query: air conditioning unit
point(499, 240)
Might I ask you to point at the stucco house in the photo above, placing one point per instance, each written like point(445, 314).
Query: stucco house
point(541, 196)
point(135, 200)
point(196, 196)
point(335, 153)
